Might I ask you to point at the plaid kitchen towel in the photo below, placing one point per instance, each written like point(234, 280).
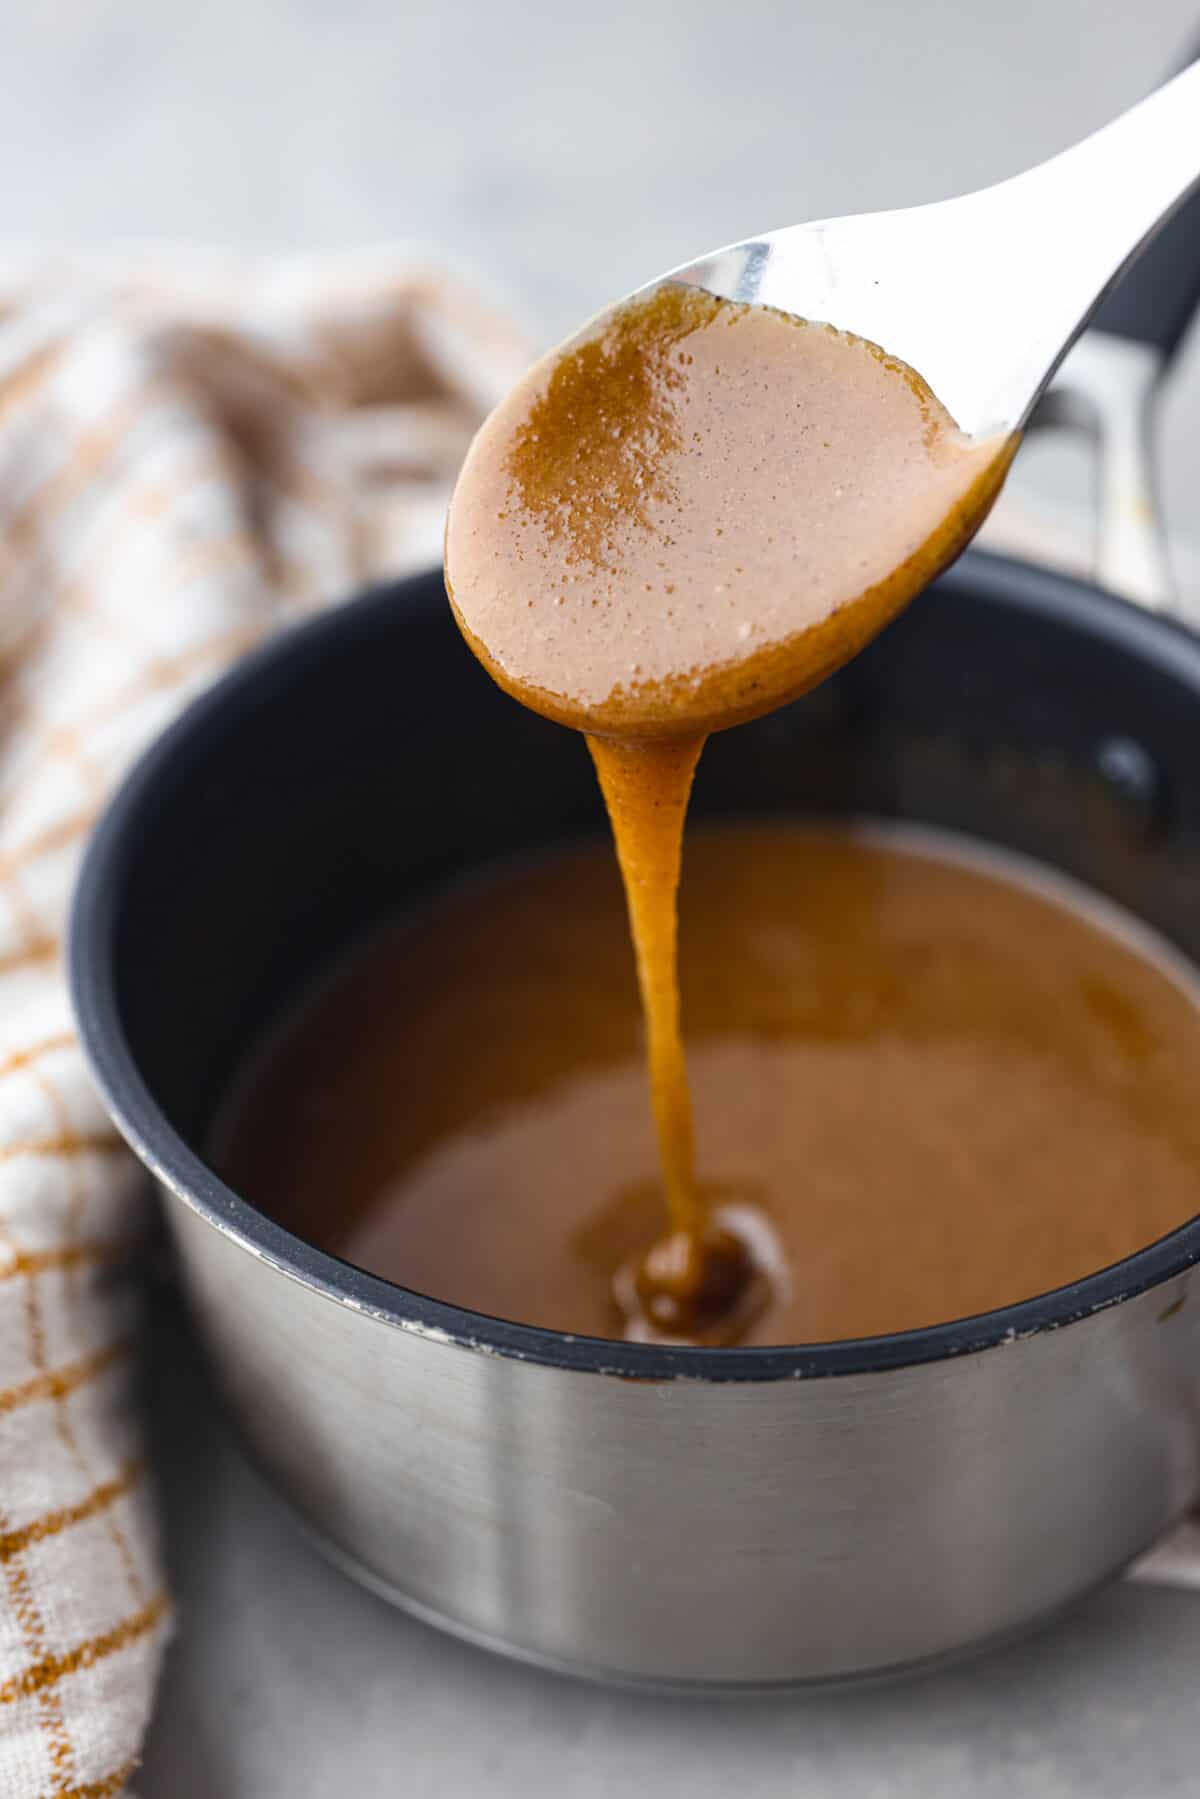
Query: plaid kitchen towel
point(193, 450)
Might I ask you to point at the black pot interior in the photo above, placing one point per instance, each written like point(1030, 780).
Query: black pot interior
point(342, 774)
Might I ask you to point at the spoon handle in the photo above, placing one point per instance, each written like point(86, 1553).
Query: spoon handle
point(984, 295)
point(1084, 216)
point(1156, 304)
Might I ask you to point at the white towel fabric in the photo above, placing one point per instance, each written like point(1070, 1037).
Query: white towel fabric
point(193, 450)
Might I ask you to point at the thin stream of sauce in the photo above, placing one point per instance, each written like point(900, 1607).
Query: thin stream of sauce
point(700, 1272)
point(646, 790)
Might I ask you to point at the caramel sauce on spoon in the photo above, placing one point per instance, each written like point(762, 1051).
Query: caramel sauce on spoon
point(687, 517)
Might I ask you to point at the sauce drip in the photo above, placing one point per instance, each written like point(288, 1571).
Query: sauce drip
point(701, 1273)
point(688, 517)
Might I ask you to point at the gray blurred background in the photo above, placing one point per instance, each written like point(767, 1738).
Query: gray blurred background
point(568, 151)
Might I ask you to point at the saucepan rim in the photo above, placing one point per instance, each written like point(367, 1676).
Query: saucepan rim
point(92, 936)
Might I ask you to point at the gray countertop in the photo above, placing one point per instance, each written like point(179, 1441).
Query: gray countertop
point(288, 1682)
point(569, 152)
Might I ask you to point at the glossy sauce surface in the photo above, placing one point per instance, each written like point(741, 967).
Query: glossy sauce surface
point(925, 1087)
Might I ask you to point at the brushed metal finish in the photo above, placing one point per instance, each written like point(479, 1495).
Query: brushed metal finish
point(741, 1532)
point(1107, 391)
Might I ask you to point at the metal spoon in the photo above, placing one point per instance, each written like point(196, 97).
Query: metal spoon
point(983, 295)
